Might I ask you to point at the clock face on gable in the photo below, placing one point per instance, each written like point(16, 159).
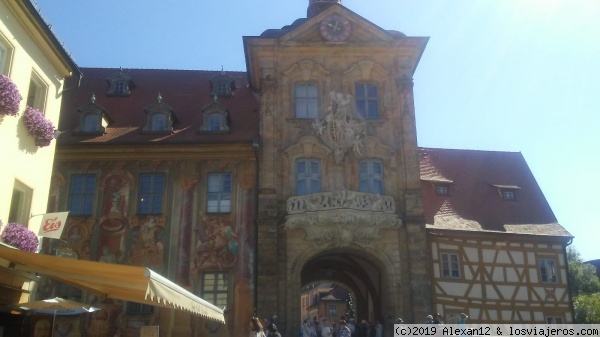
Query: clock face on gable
point(335, 28)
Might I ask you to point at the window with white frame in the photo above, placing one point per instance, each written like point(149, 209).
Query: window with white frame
point(81, 194)
point(151, 192)
point(548, 272)
point(215, 119)
point(20, 203)
point(450, 265)
point(371, 176)
point(218, 198)
point(366, 98)
point(308, 176)
point(36, 95)
point(214, 288)
point(307, 100)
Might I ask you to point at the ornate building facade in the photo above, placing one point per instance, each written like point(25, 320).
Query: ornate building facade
point(246, 187)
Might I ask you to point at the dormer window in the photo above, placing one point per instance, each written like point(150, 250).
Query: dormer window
point(442, 189)
point(222, 86)
point(215, 118)
point(159, 117)
point(508, 192)
point(93, 119)
point(119, 84)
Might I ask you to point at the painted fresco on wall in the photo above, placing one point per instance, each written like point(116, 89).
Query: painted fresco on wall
point(77, 235)
point(216, 245)
point(147, 246)
point(113, 222)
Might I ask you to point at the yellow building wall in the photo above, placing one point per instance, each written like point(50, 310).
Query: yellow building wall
point(22, 160)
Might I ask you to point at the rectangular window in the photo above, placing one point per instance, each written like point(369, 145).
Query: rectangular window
point(20, 203)
point(214, 288)
point(332, 311)
point(3, 58)
point(219, 193)
point(366, 100)
point(308, 176)
point(307, 100)
point(158, 122)
point(138, 308)
point(371, 176)
point(151, 190)
point(450, 266)
point(554, 320)
point(119, 88)
point(222, 89)
point(36, 95)
point(214, 122)
point(81, 194)
point(548, 272)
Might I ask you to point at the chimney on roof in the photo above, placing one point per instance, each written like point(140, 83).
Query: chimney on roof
point(317, 6)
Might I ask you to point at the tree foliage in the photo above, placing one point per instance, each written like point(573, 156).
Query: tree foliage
point(585, 288)
point(582, 276)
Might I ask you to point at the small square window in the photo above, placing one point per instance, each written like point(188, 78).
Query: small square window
point(442, 189)
point(508, 195)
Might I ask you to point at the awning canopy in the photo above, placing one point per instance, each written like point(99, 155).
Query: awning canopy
point(128, 283)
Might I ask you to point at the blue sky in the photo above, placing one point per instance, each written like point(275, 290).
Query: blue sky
point(506, 75)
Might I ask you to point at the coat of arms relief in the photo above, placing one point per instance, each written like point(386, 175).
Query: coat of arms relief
point(339, 130)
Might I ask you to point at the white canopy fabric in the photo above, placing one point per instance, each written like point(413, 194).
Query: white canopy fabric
point(128, 283)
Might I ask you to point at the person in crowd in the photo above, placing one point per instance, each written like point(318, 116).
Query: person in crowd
point(256, 329)
point(306, 328)
point(352, 327)
point(326, 328)
point(272, 331)
point(429, 319)
point(462, 318)
point(344, 330)
point(378, 329)
point(437, 318)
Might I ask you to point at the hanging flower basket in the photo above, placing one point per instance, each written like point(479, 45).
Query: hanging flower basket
point(10, 98)
point(38, 126)
point(20, 237)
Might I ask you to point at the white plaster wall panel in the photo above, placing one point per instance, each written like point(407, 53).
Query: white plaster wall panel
point(533, 277)
point(488, 255)
point(503, 257)
point(472, 254)
point(436, 270)
point(522, 294)
point(525, 315)
point(561, 259)
point(476, 292)
point(517, 257)
point(434, 251)
point(515, 245)
point(539, 316)
point(506, 315)
point(528, 245)
point(497, 274)
point(531, 259)
point(511, 275)
point(491, 293)
point(448, 246)
point(454, 289)
point(542, 246)
point(493, 314)
point(563, 276)
point(506, 291)
point(467, 273)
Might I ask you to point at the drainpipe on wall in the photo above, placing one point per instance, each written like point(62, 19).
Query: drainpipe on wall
point(256, 147)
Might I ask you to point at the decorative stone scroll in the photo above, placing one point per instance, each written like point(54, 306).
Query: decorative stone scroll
point(339, 130)
point(342, 217)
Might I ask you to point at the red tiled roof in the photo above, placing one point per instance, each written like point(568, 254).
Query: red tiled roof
point(185, 91)
point(474, 202)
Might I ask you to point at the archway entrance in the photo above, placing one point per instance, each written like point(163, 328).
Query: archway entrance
point(342, 283)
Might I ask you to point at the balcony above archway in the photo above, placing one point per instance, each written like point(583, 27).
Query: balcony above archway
point(341, 218)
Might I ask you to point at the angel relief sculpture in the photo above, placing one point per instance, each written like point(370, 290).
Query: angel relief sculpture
point(216, 245)
point(339, 130)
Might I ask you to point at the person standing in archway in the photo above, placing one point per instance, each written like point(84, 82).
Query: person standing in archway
point(344, 330)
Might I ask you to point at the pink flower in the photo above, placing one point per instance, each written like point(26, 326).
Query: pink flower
point(10, 98)
point(38, 126)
